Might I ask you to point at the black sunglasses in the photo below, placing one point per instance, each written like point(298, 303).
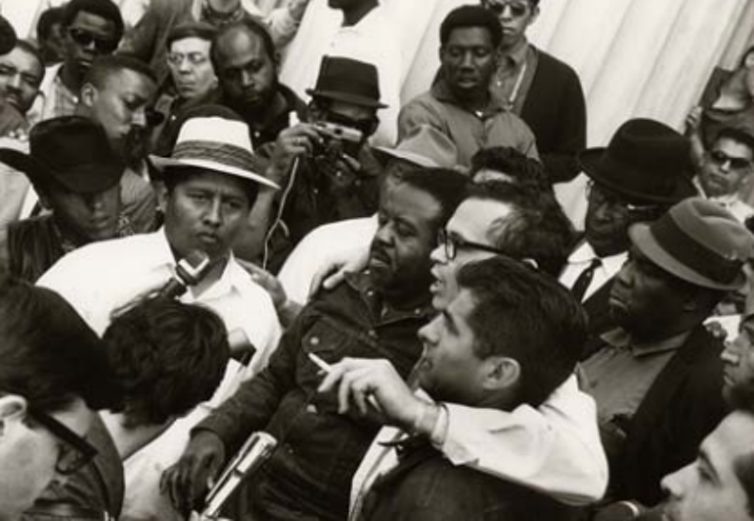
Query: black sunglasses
point(518, 9)
point(85, 39)
point(75, 452)
point(737, 163)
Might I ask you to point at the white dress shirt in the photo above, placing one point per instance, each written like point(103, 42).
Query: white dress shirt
point(580, 260)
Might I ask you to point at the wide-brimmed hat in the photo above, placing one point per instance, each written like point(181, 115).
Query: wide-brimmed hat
point(424, 146)
point(72, 151)
point(348, 80)
point(697, 241)
point(646, 161)
point(214, 142)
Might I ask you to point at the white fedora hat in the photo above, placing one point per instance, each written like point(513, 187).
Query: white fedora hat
point(218, 144)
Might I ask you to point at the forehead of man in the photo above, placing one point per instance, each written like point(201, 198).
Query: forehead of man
point(733, 148)
point(130, 82)
point(94, 23)
point(404, 201)
point(191, 44)
point(732, 440)
point(25, 61)
point(238, 47)
point(470, 37)
point(210, 181)
point(476, 219)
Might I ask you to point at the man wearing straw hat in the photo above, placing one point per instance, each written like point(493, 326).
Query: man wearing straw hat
point(657, 378)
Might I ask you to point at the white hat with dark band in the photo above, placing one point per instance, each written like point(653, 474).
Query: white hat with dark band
point(218, 144)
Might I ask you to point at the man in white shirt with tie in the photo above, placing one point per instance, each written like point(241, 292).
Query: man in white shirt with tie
point(636, 178)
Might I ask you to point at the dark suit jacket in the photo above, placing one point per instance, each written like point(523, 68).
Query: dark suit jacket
point(555, 110)
point(600, 319)
point(425, 486)
point(680, 409)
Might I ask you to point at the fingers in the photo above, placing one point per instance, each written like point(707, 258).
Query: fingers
point(335, 279)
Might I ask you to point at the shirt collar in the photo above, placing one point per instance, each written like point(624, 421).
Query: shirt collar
point(621, 339)
point(517, 56)
point(441, 91)
point(584, 254)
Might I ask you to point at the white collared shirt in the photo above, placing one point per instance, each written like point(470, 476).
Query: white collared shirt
point(580, 260)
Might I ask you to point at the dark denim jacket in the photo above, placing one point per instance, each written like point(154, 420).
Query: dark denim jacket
point(309, 476)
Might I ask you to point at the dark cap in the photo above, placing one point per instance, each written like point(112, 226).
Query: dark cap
point(348, 80)
point(70, 150)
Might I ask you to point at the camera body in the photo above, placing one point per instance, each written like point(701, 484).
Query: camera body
point(337, 139)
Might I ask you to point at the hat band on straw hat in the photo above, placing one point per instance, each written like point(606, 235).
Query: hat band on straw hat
point(677, 243)
point(222, 153)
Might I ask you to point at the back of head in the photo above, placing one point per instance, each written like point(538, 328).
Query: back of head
point(447, 187)
point(102, 8)
point(106, 67)
point(511, 164)
point(526, 315)
point(536, 229)
point(168, 357)
point(49, 355)
point(471, 16)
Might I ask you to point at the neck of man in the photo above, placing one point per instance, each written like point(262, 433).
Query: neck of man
point(353, 15)
point(129, 440)
point(513, 48)
point(259, 118)
point(71, 78)
point(224, 6)
point(216, 270)
point(734, 93)
point(476, 101)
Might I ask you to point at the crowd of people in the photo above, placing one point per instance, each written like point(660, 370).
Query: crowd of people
point(191, 254)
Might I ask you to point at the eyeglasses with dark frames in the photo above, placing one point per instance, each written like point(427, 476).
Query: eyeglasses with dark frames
point(737, 163)
point(453, 244)
point(75, 451)
point(85, 39)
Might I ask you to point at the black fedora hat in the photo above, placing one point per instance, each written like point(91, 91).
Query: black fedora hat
point(71, 151)
point(646, 161)
point(348, 80)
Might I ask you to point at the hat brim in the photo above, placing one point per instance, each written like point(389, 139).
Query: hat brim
point(348, 98)
point(385, 154)
point(593, 163)
point(84, 179)
point(641, 236)
point(163, 163)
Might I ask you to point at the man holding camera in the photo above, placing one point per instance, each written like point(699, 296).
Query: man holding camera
point(324, 165)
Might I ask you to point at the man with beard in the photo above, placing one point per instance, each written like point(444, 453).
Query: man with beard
point(461, 103)
point(374, 314)
point(657, 378)
point(92, 28)
point(117, 94)
point(643, 171)
point(246, 64)
point(77, 177)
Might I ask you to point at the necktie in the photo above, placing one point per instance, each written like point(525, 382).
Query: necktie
point(582, 283)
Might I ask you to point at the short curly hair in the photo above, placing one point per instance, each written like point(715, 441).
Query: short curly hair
point(168, 357)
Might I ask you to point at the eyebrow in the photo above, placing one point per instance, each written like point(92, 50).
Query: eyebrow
point(450, 321)
point(705, 459)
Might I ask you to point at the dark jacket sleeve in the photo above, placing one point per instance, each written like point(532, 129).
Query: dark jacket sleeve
point(257, 399)
point(555, 109)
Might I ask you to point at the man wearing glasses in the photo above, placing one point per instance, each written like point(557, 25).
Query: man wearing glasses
point(545, 92)
point(92, 28)
point(724, 170)
point(643, 171)
point(53, 367)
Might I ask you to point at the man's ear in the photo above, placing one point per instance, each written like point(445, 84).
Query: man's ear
point(534, 15)
point(44, 199)
point(500, 373)
point(749, 60)
point(12, 408)
point(162, 196)
point(88, 95)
